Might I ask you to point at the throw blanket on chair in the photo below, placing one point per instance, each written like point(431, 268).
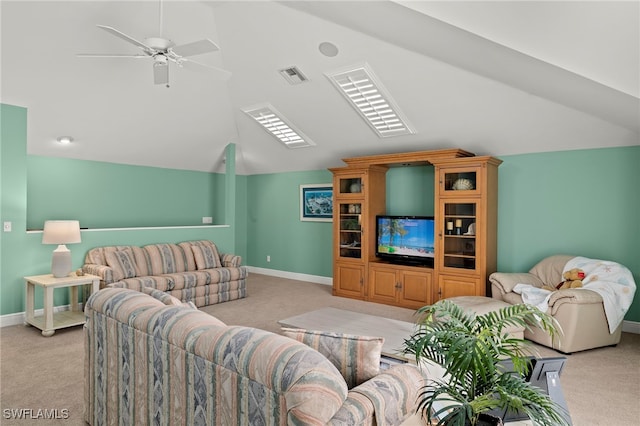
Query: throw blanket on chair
point(612, 281)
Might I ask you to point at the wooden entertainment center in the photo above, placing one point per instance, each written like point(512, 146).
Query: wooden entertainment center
point(466, 193)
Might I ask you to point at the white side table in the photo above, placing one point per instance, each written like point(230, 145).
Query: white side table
point(50, 321)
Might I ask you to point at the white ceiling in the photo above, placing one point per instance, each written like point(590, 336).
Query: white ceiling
point(495, 78)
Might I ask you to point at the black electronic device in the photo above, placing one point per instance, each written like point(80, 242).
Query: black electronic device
point(406, 239)
point(543, 373)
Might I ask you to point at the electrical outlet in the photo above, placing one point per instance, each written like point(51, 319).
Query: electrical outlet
point(268, 258)
point(207, 219)
point(7, 227)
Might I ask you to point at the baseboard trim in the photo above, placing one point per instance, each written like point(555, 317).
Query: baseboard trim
point(292, 275)
point(631, 327)
point(19, 317)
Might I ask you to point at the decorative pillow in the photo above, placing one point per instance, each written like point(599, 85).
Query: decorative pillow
point(206, 257)
point(356, 357)
point(122, 262)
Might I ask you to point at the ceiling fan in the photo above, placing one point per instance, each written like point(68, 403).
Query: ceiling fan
point(163, 51)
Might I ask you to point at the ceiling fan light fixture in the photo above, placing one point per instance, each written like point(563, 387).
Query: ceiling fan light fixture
point(163, 51)
point(160, 59)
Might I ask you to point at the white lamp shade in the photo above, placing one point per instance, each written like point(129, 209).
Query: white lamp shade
point(61, 232)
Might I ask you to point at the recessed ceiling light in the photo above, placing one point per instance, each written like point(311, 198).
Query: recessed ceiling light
point(364, 91)
point(278, 126)
point(65, 140)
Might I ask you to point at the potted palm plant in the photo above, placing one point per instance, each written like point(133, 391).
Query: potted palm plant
point(470, 350)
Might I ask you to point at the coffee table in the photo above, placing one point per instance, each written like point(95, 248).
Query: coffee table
point(340, 321)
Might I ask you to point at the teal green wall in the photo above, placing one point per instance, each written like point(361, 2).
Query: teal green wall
point(581, 202)
point(410, 191)
point(15, 251)
point(274, 227)
point(22, 253)
point(115, 195)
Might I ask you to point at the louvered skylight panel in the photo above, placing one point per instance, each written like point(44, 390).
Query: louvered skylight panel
point(275, 123)
point(369, 97)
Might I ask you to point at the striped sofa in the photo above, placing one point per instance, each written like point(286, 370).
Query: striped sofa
point(157, 362)
point(192, 271)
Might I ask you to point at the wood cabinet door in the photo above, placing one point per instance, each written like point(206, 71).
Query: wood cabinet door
point(454, 285)
point(416, 288)
point(383, 284)
point(349, 281)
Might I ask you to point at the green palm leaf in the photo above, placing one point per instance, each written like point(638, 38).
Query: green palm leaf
point(470, 348)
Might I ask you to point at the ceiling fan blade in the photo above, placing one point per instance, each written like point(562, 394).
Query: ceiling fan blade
point(199, 66)
point(161, 73)
point(127, 38)
point(195, 48)
point(110, 55)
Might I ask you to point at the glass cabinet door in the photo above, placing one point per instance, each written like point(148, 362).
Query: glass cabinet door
point(463, 181)
point(350, 217)
point(459, 234)
point(350, 185)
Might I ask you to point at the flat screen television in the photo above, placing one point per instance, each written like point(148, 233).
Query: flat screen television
point(405, 239)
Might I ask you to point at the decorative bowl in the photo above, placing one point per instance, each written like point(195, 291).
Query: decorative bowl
point(462, 184)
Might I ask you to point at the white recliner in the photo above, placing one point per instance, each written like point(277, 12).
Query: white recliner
point(580, 312)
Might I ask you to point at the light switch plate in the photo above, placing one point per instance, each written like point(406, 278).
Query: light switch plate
point(7, 227)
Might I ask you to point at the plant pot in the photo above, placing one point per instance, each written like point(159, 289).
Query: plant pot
point(489, 420)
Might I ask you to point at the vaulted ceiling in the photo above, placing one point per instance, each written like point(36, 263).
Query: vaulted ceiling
point(495, 78)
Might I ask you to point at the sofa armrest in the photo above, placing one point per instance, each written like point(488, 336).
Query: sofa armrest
point(392, 394)
point(230, 260)
point(103, 271)
point(572, 296)
point(503, 282)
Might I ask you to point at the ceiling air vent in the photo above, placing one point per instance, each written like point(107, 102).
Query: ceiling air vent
point(363, 90)
point(275, 123)
point(293, 75)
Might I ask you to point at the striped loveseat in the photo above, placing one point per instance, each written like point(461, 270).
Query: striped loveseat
point(192, 271)
point(166, 363)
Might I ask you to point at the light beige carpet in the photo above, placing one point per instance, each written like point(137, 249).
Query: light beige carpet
point(602, 386)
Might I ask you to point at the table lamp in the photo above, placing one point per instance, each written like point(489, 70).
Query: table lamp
point(61, 232)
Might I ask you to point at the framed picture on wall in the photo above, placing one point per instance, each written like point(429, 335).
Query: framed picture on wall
point(316, 202)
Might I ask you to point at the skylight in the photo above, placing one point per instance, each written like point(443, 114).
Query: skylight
point(367, 95)
point(278, 126)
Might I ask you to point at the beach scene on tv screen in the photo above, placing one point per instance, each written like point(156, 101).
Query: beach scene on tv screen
point(406, 237)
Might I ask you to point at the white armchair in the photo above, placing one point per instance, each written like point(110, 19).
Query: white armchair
point(580, 312)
